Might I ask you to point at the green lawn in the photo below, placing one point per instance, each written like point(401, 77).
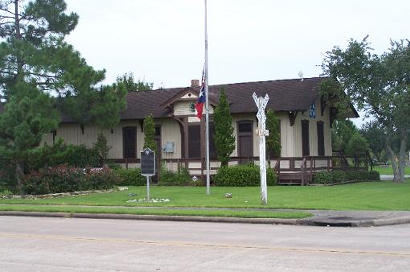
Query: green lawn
point(159, 211)
point(387, 170)
point(359, 196)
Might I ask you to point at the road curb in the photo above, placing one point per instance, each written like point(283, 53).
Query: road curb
point(272, 221)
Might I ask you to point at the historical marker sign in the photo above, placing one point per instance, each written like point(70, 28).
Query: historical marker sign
point(147, 162)
point(147, 166)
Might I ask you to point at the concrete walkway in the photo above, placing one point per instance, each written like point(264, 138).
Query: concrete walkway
point(390, 177)
point(357, 218)
point(319, 218)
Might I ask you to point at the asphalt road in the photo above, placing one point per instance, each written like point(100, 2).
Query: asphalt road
point(69, 244)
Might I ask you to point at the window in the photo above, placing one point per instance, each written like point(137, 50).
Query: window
point(129, 142)
point(245, 126)
point(305, 138)
point(320, 139)
point(194, 141)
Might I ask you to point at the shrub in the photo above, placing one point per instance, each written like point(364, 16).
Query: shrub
point(130, 177)
point(59, 153)
point(196, 183)
point(114, 166)
point(243, 175)
point(5, 193)
point(7, 172)
point(374, 175)
point(81, 156)
point(36, 184)
point(322, 177)
point(101, 149)
point(170, 178)
point(362, 175)
point(338, 176)
point(67, 179)
point(100, 179)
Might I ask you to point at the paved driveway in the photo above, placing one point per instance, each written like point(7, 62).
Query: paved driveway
point(72, 244)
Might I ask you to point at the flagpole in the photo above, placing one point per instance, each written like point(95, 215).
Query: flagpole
point(208, 178)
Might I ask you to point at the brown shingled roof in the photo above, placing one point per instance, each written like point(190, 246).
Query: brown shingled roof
point(285, 95)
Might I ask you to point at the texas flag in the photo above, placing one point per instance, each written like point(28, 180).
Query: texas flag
point(199, 105)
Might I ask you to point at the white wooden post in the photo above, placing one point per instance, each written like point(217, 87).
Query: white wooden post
point(262, 132)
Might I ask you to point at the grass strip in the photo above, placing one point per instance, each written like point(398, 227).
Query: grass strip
point(387, 170)
point(382, 196)
point(160, 211)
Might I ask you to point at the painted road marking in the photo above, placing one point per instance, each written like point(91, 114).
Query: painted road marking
point(191, 244)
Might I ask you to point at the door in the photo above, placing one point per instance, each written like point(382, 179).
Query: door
point(320, 139)
point(129, 141)
point(245, 141)
point(194, 141)
point(305, 138)
point(158, 153)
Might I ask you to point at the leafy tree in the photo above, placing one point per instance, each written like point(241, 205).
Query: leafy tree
point(379, 85)
point(37, 65)
point(224, 139)
point(273, 143)
point(342, 132)
point(132, 86)
point(149, 133)
point(357, 146)
point(376, 138)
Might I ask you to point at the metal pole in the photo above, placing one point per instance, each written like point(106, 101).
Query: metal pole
point(147, 188)
point(208, 178)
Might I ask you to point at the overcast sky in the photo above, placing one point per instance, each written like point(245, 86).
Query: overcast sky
point(162, 41)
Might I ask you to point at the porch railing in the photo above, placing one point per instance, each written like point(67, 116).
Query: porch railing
point(308, 164)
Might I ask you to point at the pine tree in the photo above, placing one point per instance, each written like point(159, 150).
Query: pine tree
point(26, 118)
point(37, 65)
point(102, 149)
point(149, 133)
point(132, 85)
point(224, 139)
point(273, 143)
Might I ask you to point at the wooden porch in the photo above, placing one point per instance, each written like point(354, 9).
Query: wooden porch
point(290, 170)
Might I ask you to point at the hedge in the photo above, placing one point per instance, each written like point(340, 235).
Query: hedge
point(170, 178)
point(67, 179)
point(339, 176)
point(243, 175)
point(130, 177)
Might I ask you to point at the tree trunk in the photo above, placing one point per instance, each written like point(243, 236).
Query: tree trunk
point(398, 161)
point(402, 154)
